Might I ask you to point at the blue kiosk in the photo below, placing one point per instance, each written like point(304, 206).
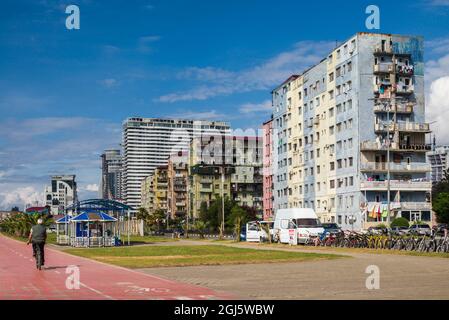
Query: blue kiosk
point(93, 223)
point(93, 229)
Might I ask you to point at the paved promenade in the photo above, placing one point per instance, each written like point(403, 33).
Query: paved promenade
point(19, 279)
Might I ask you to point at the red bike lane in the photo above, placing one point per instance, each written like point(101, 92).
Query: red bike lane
point(19, 279)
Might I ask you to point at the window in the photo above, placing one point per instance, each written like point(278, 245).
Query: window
point(331, 130)
point(332, 184)
point(351, 161)
point(332, 166)
point(331, 77)
point(331, 112)
point(331, 94)
point(317, 153)
point(349, 66)
point(339, 164)
point(338, 72)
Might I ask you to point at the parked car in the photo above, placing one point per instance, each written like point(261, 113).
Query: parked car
point(243, 233)
point(378, 230)
point(420, 229)
point(400, 231)
point(331, 228)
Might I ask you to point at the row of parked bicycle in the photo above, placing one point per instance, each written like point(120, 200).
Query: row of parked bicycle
point(348, 239)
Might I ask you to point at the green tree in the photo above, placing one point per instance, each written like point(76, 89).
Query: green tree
point(237, 218)
point(400, 222)
point(156, 219)
point(442, 186)
point(200, 227)
point(19, 224)
point(441, 207)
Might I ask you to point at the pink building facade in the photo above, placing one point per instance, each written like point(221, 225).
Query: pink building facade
point(268, 213)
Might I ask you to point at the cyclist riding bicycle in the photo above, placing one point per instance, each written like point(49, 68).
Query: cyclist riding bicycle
point(38, 236)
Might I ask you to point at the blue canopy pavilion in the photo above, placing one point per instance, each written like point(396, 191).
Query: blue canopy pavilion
point(93, 229)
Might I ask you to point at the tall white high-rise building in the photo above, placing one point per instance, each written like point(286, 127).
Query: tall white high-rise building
point(61, 194)
point(148, 142)
point(111, 175)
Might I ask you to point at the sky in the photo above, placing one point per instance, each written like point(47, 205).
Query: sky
point(65, 93)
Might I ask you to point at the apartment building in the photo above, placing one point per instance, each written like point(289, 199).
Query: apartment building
point(111, 175)
point(438, 160)
point(61, 193)
point(332, 125)
point(148, 143)
point(267, 131)
point(147, 191)
point(178, 177)
point(229, 166)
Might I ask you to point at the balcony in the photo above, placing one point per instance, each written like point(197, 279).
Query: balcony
point(397, 185)
point(375, 146)
point(383, 50)
point(404, 89)
point(404, 70)
point(403, 109)
point(395, 167)
point(414, 127)
point(383, 68)
point(416, 206)
point(403, 127)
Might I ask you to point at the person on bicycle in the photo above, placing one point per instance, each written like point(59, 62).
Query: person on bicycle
point(38, 236)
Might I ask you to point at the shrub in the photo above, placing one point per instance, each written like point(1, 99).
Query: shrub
point(400, 222)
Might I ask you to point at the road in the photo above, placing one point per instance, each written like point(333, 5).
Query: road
point(19, 279)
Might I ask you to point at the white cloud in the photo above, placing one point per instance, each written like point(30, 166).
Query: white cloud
point(19, 197)
point(109, 82)
point(438, 109)
point(200, 115)
point(260, 77)
point(145, 42)
point(437, 88)
point(438, 3)
point(92, 187)
point(35, 149)
point(251, 108)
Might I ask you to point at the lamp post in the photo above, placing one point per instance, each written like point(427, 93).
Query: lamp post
point(388, 165)
point(222, 202)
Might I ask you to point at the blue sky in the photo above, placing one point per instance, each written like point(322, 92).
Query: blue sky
point(64, 94)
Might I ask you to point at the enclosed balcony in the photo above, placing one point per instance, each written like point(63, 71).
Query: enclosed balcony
point(383, 68)
point(404, 89)
point(413, 127)
point(376, 146)
point(397, 185)
point(395, 167)
point(402, 127)
point(400, 108)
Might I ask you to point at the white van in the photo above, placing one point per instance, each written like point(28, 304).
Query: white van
point(302, 224)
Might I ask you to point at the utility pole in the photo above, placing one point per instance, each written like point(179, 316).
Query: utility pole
point(388, 164)
point(222, 202)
